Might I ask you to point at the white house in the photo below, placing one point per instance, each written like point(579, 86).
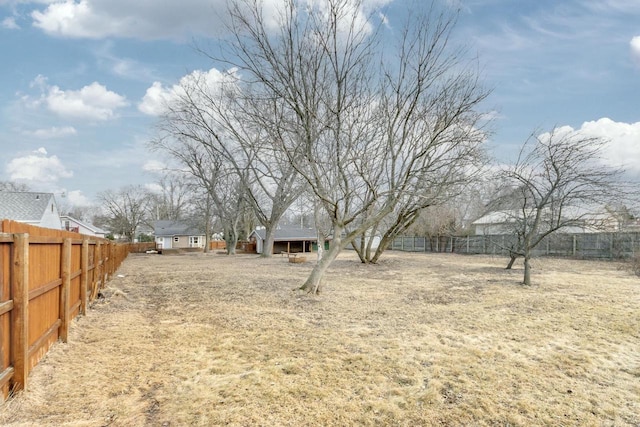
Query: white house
point(72, 224)
point(177, 235)
point(39, 209)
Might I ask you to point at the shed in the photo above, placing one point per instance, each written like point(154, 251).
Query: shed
point(286, 239)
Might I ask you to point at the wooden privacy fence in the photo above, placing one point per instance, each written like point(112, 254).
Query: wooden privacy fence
point(47, 278)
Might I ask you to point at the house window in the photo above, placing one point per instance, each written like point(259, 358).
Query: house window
point(194, 241)
point(176, 239)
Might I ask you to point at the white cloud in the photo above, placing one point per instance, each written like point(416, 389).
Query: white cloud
point(157, 97)
point(92, 102)
point(9, 23)
point(622, 149)
point(53, 132)
point(37, 169)
point(153, 166)
point(144, 19)
point(635, 49)
point(123, 18)
point(76, 198)
point(154, 187)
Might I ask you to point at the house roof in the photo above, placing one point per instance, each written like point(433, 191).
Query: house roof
point(24, 206)
point(288, 233)
point(175, 228)
point(497, 217)
point(93, 228)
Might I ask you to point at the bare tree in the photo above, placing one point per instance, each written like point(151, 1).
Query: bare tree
point(172, 201)
point(375, 137)
point(125, 210)
point(13, 186)
point(231, 124)
point(558, 181)
point(224, 188)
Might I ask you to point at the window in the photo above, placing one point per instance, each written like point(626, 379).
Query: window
point(194, 241)
point(176, 239)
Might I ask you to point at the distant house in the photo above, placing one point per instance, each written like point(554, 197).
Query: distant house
point(498, 222)
point(39, 209)
point(177, 235)
point(502, 222)
point(286, 239)
point(75, 225)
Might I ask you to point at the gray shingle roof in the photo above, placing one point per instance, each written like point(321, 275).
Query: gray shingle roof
point(175, 228)
point(23, 206)
point(284, 233)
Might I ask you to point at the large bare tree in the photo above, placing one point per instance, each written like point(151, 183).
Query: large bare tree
point(377, 132)
point(233, 125)
point(559, 180)
point(224, 194)
point(172, 200)
point(125, 210)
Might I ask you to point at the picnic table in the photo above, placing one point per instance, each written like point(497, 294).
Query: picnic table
point(294, 257)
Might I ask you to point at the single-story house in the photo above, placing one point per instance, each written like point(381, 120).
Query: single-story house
point(72, 224)
point(177, 235)
point(286, 239)
point(39, 209)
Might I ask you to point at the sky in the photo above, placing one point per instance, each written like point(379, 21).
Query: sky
point(80, 80)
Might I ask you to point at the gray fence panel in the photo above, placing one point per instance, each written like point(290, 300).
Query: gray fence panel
point(582, 245)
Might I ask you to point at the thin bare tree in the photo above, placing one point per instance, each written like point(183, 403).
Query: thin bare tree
point(559, 180)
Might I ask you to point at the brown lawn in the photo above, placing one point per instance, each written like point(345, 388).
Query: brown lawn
point(420, 339)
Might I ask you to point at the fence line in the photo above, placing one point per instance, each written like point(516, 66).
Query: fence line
point(579, 245)
point(47, 278)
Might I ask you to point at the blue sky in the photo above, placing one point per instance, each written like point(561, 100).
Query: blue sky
point(80, 79)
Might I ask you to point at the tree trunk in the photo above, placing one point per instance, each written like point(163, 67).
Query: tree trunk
point(313, 282)
point(359, 248)
point(207, 236)
point(320, 245)
point(527, 271)
point(231, 241)
point(511, 261)
point(267, 247)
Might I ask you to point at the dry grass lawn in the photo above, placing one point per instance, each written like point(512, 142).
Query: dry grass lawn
point(420, 339)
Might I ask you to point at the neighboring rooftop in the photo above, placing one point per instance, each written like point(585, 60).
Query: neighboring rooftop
point(285, 232)
point(88, 226)
point(175, 228)
point(23, 206)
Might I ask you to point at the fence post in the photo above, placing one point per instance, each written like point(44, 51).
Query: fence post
point(84, 275)
point(611, 246)
point(575, 245)
point(64, 291)
point(20, 312)
point(97, 259)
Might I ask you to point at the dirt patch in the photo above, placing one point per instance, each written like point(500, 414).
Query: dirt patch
point(420, 339)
